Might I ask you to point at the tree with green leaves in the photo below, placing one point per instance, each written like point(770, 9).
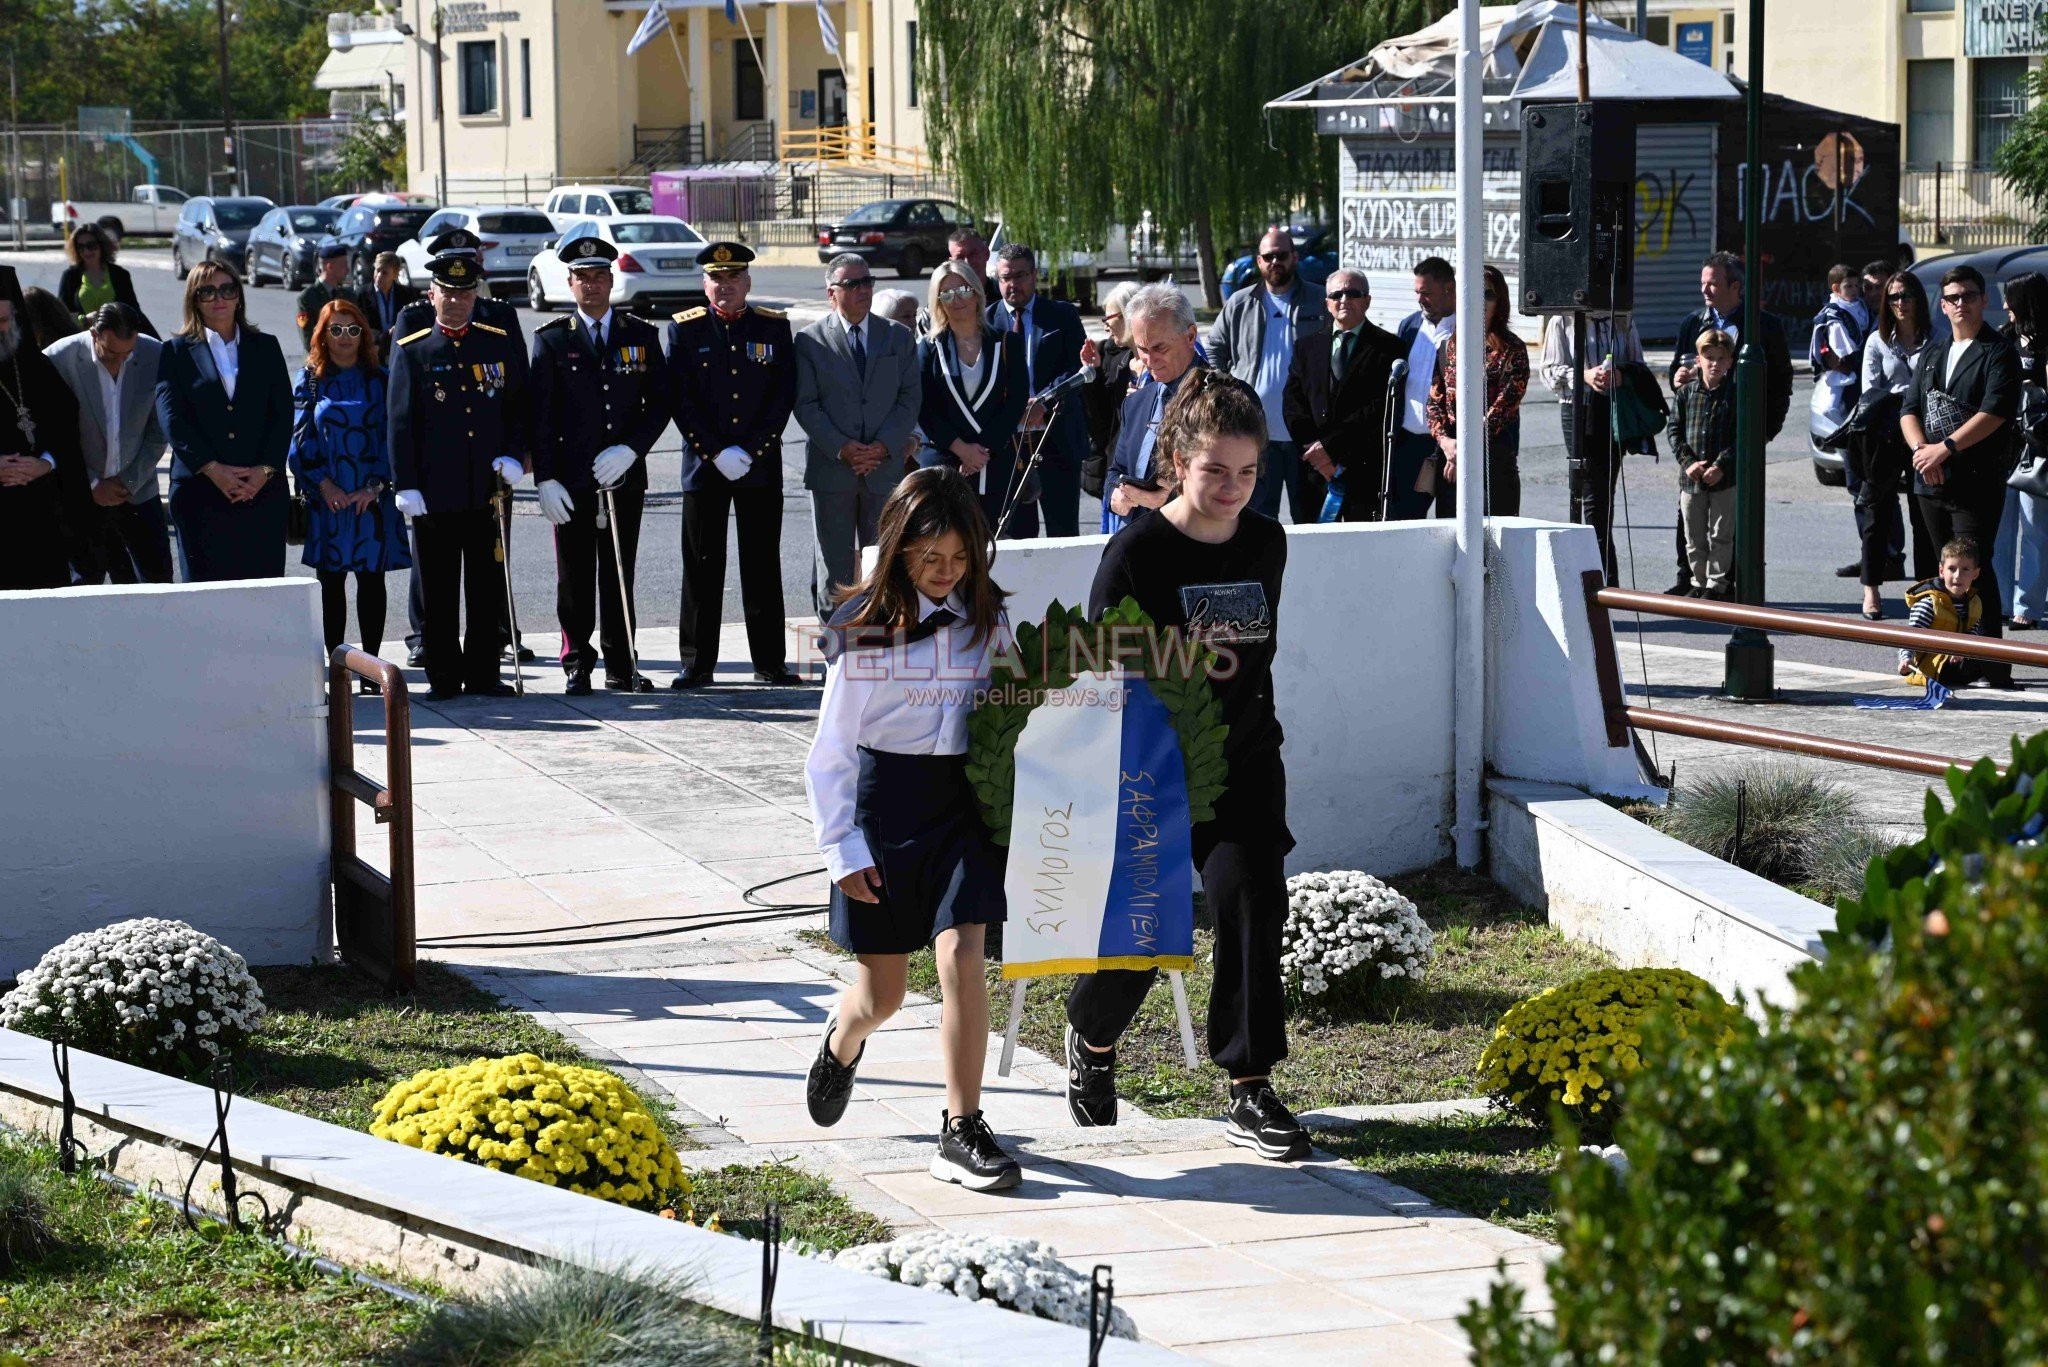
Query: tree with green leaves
point(1069, 117)
point(2023, 159)
point(373, 154)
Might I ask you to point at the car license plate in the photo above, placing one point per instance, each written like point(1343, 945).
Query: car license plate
point(521, 251)
point(670, 263)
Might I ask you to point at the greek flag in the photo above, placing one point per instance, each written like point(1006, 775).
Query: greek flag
point(732, 12)
point(650, 27)
point(1100, 871)
point(829, 32)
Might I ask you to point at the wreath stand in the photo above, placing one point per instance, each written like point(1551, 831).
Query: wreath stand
point(1180, 1009)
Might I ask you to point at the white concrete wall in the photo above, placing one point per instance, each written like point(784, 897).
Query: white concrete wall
point(165, 754)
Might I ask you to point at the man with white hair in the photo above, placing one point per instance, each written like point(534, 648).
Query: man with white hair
point(43, 491)
point(1162, 330)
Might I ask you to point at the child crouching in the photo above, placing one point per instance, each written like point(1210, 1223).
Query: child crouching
point(1948, 602)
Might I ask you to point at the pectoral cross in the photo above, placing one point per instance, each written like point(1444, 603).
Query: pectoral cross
point(27, 425)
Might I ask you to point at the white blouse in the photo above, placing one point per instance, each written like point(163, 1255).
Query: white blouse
point(909, 698)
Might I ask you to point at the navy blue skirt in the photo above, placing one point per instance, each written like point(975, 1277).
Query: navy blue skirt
point(938, 865)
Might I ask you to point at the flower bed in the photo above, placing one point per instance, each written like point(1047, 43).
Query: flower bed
point(1345, 933)
point(1017, 1274)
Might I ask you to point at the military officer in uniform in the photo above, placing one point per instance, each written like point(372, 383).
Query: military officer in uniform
point(600, 401)
point(417, 314)
point(733, 369)
point(458, 418)
point(331, 285)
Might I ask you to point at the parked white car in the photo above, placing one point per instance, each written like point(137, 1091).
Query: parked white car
point(152, 209)
point(566, 203)
point(512, 234)
point(656, 270)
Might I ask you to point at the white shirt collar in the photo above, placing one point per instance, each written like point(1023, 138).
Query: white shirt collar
point(926, 607)
point(848, 327)
point(218, 343)
point(595, 323)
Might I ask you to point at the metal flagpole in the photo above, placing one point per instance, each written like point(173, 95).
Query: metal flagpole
point(1468, 679)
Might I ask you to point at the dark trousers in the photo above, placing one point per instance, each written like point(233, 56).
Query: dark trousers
point(459, 576)
point(1975, 515)
point(1876, 465)
point(1059, 499)
point(369, 607)
point(583, 561)
point(1412, 450)
point(128, 543)
point(1244, 885)
point(1503, 476)
point(416, 613)
point(1590, 477)
point(759, 515)
point(1280, 469)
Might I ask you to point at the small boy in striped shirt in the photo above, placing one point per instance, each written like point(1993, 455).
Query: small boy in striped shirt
point(1948, 602)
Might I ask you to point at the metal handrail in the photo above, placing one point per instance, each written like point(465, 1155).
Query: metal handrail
point(373, 914)
point(1619, 714)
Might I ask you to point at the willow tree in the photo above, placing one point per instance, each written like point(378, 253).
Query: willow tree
point(1070, 117)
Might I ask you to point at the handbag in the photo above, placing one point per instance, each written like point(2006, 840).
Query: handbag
point(1636, 408)
point(2030, 476)
point(298, 513)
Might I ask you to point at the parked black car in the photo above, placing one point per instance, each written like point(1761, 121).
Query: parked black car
point(908, 235)
point(215, 228)
point(283, 247)
point(369, 229)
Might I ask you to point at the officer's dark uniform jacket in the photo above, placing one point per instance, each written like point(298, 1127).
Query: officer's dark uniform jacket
point(582, 403)
point(734, 385)
point(499, 313)
point(456, 404)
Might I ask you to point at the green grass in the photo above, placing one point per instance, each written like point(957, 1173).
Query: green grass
point(128, 1282)
point(813, 1211)
point(1489, 1165)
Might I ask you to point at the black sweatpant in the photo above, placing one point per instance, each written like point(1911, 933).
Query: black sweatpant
point(758, 512)
point(459, 576)
point(1975, 515)
point(369, 608)
point(587, 581)
point(1591, 476)
point(1245, 887)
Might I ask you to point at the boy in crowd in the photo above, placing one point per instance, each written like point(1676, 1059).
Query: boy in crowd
point(1948, 602)
point(1704, 441)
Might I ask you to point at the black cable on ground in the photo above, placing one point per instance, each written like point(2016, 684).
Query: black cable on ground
point(548, 939)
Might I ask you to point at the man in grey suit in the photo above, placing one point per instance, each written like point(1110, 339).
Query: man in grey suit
point(111, 368)
point(857, 397)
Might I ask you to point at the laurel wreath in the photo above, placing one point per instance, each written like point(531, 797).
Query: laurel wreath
point(1042, 662)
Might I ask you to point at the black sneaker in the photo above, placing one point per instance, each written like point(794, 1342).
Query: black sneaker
point(830, 1084)
point(1259, 1121)
point(1091, 1083)
point(968, 1154)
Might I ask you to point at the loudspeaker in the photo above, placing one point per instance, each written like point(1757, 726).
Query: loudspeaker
point(1578, 207)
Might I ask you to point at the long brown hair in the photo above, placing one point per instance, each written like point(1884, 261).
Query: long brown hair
point(1916, 294)
point(345, 311)
point(196, 279)
point(91, 232)
point(926, 505)
point(1209, 404)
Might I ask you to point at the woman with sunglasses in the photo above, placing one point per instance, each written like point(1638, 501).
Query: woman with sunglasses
point(225, 401)
point(975, 389)
point(1889, 358)
point(342, 463)
point(1507, 380)
point(92, 278)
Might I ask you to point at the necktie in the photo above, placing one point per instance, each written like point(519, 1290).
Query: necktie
point(597, 338)
point(1017, 321)
point(1343, 361)
point(860, 350)
point(937, 622)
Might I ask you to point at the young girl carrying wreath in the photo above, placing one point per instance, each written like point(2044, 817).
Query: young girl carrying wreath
point(1211, 569)
point(898, 823)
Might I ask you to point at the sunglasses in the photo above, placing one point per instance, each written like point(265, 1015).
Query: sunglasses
point(1112, 317)
point(957, 293)
point(1898, 298)
point(344, 329)
point(1960, 299)
point(1276, 256)
point(864, 282)
point(206, 294)
point(1334, 295)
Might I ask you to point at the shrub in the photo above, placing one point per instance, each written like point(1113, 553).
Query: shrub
point(1569, 1046)
point(1017, 1274)
point(553, 1122)
point(1348, 930)
point(1792, 821)
point(152, 992)
point(568, 1314)
point(26, 1230)
point(1861, 1179)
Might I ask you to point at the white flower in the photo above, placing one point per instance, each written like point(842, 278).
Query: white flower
point(1017, 1274)
point(1346, 923)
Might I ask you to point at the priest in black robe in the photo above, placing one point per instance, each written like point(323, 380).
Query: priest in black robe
point(43, 485)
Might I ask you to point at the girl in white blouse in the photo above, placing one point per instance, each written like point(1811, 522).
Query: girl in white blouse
point(898, 822)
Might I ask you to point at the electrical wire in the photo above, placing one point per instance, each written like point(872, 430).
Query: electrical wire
point(547, 938)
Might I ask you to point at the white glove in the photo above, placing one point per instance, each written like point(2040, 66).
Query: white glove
point(612, 463)
point(733, 463)
point(555, 504)
point(509, 469)
point(412, 503)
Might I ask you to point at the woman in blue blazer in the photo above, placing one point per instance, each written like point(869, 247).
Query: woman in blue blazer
point(225, 401)
point(975, 390)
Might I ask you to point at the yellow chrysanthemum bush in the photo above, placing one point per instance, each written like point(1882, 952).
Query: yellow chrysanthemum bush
point(1568, 1045)
point(580, 1128)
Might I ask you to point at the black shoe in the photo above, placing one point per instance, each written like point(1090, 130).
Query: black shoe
point(443, 694)
point(831, 1082)
point(785, 678)
point(370, 688)
point(1261, 1123)
point(1850, 571)
point(579, 683)
point(1091, 1083)
point(1681, 589)
point(415, 657)
point(968, 1154)
point(493, 689)
point(525, 654)
point(620, 683)
point(682, 681)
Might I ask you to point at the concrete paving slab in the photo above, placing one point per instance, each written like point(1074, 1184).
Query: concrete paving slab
point(668, 786)
point(467, 803)
point(1398, 1249)
point(1445, 1295)
point(1411, 1345)
point(1183, 1317)
point(1083, 1232)
point(722, 833)
point(570, 845)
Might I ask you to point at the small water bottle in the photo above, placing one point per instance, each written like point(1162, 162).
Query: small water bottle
point(1333, 501)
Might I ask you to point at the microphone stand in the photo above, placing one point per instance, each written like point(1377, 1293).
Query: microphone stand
point(1020, 479)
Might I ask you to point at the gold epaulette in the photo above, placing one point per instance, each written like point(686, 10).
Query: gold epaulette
point(414, 337)
point(691, 315)
point(767, 312)
point(486, 327)
point(559, 321)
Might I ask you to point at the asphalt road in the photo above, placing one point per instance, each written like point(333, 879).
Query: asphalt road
point(1809, 528)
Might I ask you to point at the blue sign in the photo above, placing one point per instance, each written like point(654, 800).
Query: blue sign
point(1697, 42)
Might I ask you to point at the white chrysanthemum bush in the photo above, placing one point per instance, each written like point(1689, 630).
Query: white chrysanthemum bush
point(152, 992)
point(1348, 933)
point(1017, 1274)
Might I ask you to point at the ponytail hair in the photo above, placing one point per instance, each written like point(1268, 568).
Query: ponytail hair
point(1209, 406)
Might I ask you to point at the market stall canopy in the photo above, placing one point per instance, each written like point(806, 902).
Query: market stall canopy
point(1532, 55)
point(359, 68)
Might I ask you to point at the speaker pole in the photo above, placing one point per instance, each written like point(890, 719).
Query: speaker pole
point(1749, 658)
point(1585, 86)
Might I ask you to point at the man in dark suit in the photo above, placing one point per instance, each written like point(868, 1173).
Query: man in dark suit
point(1053, 338)
point(732, 369)
point(1336, 398)
point(386, 300)
point(458, 425)
point(600, 401)
point(1721, 307)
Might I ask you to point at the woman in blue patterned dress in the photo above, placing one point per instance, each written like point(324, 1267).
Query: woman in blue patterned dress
point(343, 466)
